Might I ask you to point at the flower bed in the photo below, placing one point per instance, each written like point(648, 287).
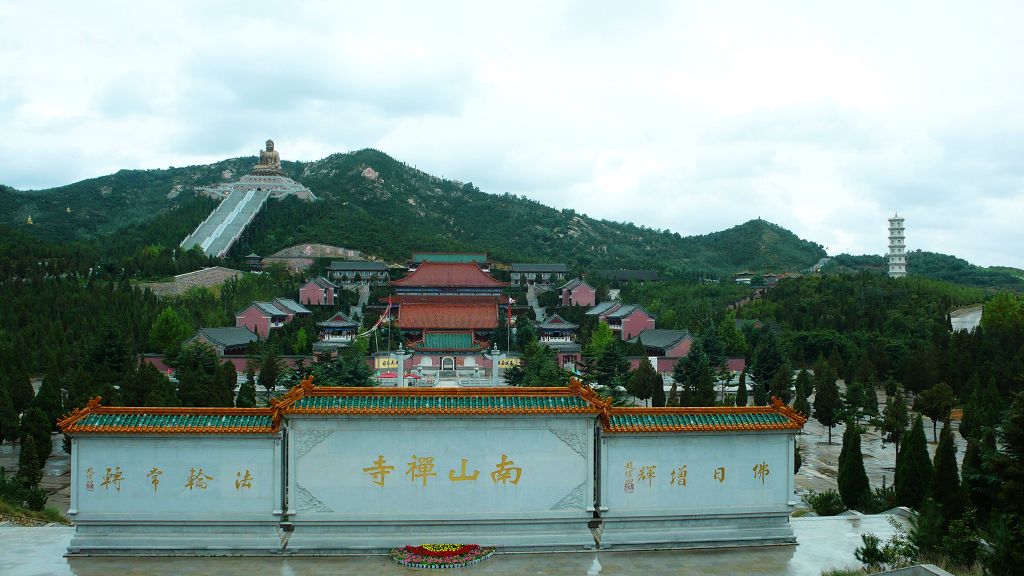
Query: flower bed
point(441, 555)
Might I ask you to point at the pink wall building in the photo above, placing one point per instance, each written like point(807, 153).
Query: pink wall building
point(629, 321)
point(318, 291)
point(261, 318)
point(576, 292)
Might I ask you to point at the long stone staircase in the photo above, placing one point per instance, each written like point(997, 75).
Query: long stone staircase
point(225, 224)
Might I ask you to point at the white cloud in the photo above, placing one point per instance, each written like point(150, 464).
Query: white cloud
point(694, 116)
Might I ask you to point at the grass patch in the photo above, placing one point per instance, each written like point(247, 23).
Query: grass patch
point(47, 514)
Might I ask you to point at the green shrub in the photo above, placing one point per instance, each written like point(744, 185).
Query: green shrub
point(827, 503)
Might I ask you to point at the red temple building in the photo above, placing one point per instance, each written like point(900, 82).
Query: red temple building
point(448, 312)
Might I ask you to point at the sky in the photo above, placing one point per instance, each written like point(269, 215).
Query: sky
point(823, 117)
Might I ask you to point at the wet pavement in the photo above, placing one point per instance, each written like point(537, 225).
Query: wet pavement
point(822, 543)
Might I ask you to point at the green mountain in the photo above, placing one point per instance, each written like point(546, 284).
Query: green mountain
point(398, 211)
point(936, 267)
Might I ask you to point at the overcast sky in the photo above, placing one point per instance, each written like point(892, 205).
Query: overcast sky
point(823, 117)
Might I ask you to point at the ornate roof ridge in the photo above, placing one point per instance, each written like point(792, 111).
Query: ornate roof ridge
point(73, 422)
point(793, 419)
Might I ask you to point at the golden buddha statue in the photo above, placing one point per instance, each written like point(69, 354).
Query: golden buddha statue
point(270, 160)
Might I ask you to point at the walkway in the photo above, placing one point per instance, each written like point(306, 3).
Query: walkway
point(531, 298)
point(225, 224)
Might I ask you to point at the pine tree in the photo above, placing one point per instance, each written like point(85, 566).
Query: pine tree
point(49, 399)
point(20, 388)
point(945, 486)
point(35, 423)
point(894, 419)
point(714, 347)
point(270, 369)
point(228, 382)
point(1008, 463)
point(870, 403)
point(979, 484)
point(704, 395)
point(853, 480)
point(801, 405)
point(8, 416)
point(769, 358)
point(803, 383)
point(913, 468)
point(780, 384)
point(853, 400)
point(29, 470)
point(643, 380)
point(983, 408)
point(741, 389)
point(760, 394)
point(247, 391)
point(827, 405)
point(936, 403)
point(658, 398)
point(199, 376)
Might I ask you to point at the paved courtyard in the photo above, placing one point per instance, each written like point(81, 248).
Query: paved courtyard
point(822, 543)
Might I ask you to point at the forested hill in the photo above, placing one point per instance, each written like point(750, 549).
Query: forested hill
point(401, 210)
point(937, 267)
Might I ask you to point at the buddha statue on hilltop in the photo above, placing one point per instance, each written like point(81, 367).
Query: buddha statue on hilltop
point(270, 161)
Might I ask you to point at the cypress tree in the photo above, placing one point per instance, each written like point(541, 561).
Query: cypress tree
point(801, 405)
point(945, 486)
point(643, 381)
point(705, 392)
point(49, 399)
point(803, 383)
point(247, 391)
point(36, 423)
point(20, 388)
point(853, 400)
point(29, 471)
point(760, 394)
point(853, 480)
point(270, 369)
point(673, 396)
point(913, 468)
point(870, 404)
point(768, 359)
point(980, 486)
point(741, 389)
point(780, 384)
point(658, 398)
point(894, 419)
point(827, 404)
point(228, 382)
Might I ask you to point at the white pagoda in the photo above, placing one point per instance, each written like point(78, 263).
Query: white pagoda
point(897, 248)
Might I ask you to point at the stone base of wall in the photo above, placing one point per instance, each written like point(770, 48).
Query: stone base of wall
point(547, 534)
point(212, 539)
point(713, 531)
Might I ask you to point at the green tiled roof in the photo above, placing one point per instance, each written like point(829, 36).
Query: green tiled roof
point(441, 403)
point(165, 421)
point(715, 420)
point(447, 341)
